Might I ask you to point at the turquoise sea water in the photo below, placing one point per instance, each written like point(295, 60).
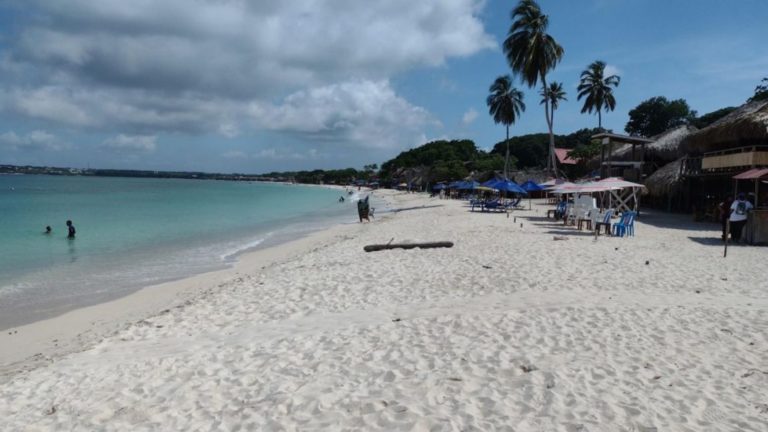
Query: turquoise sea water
point(136, 232)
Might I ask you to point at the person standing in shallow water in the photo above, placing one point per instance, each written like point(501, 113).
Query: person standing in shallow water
point(48, 230)
point(70, 230)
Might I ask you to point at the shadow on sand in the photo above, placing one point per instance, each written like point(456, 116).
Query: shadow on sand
point(398, 210)
point(675, 221)
point(711, 241)
point(574, 232)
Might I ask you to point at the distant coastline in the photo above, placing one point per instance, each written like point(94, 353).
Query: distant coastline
point(192, 175)
point(332, 177)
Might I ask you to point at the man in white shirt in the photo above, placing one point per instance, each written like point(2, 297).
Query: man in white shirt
point(738, 218)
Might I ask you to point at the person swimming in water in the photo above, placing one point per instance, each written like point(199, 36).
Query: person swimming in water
point(48, 230)
point(70, 230)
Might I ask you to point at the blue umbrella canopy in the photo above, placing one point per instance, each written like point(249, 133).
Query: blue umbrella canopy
point(509, 186)
point(468, 185)
point(439, 186)
point(530, 186)
point(490, 183)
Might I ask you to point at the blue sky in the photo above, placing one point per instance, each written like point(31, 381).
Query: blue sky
point(238, 86)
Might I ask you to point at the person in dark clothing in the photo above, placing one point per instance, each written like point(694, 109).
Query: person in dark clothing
point(363, 209)
point(70, 230)
point(48, 230)
point(725, 213)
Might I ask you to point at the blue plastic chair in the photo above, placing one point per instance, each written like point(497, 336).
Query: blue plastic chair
point(560, 209)
point(626, 225)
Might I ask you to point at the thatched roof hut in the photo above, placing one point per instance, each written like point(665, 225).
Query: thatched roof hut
point(665, 146)
point(667, 180)
point(746, 126)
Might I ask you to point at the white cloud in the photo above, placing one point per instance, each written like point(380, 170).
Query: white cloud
point(130, 144)
point(364, 113)
point(612, 70)
point(469, 116)
point(33, 141)
point(151, 66)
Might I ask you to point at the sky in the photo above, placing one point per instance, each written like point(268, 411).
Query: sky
point(254, 86)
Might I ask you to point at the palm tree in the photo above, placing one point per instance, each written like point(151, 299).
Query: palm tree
point(597, 90)
point(532, 53)
point(505, 103)
point(553, 94)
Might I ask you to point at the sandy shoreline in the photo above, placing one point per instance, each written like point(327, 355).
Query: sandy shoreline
point(507, 330)
point(31, 345)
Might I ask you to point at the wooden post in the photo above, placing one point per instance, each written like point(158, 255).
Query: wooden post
point(727, 234)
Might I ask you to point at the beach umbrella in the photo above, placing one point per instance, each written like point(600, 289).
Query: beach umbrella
point(490, 183)
point(439, 186)
point(509, 186)
point(468, 185)
point(553, 183)
point(530, 186)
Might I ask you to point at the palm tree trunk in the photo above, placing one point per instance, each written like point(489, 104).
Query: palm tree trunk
point(599, 120)
point(551, 161)
point(506, 158)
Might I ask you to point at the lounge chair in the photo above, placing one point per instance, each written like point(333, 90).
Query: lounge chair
point(495, 205)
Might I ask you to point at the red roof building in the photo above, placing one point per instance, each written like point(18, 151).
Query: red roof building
point(563, 158)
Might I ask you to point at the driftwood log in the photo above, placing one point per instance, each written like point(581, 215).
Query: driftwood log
point(378, 247)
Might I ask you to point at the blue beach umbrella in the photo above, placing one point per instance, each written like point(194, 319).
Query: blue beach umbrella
point(439, 186)
point(509, 186)
point(468, 185)
point(530, 186)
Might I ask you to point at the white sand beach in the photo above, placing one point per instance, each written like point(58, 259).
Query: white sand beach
point(507, 330)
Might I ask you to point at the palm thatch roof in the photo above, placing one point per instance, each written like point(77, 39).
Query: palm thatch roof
point(665, 146)
point(747, 125)
point(666, 180)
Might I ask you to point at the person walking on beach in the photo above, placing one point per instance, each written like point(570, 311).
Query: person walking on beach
point(70, 230)
point(725, 213)
point(738, 217)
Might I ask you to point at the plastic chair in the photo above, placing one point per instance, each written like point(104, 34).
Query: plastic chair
point(626, 225)
point(605, 222)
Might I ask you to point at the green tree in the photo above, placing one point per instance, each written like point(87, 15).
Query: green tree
point(586, 151)
point(657, 114)
point(596, 90)
point(552, 95)
point(709, 118)
point(491, 162)
point(761, 91)
point(505, 104)
point(448, 170)
point(532, 53)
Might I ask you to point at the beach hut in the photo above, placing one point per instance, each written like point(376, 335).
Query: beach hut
point(713, 155)
point(632, 169)
point(666, 186)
